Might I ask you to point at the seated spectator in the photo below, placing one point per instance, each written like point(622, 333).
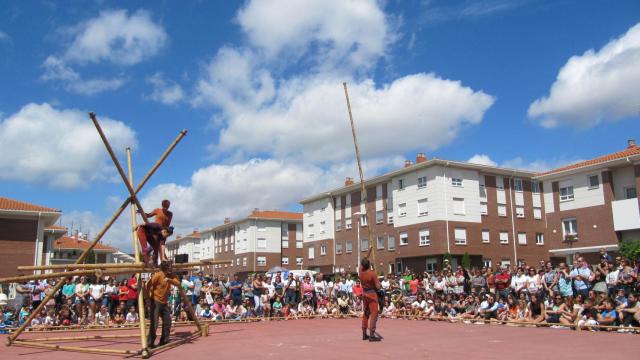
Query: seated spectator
point(218, 310)
point(630, 312)
point(206, 313)
point(388, 310)
point(102, 316)
point(537, 311)
point(588, 317)
point(119, 317)
point(608, 316)
point(554, 311)
point(132, 316)
point(488, 308)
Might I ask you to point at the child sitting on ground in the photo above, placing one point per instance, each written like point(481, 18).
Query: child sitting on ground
point(132, 316)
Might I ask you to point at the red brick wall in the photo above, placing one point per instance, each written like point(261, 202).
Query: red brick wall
point(17, 244)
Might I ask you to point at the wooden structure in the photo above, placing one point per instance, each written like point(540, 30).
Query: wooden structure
point(103, 269)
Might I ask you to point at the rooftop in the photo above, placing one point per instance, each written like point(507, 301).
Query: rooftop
point(73, 243)
point(631, 150)
point(16, 205)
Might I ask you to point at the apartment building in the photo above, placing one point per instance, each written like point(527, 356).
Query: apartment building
point(22, 234)
point(262, 240)
point(495, 215)
point(194, 246)
point(593, 204)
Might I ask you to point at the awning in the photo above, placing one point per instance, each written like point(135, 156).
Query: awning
point(584, 250)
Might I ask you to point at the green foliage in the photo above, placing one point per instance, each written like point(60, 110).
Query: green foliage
point(447, 256)
point(630, 249)
point(91, 258)
point(466, 260)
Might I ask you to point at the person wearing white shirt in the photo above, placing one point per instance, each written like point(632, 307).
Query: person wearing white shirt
point(518, 281)
point(533, 281)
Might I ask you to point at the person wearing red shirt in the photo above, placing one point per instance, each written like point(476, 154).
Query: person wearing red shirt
point(370, 286)
point(132, 294)
point(503, 282)
point(357, 289)
point(413, 286)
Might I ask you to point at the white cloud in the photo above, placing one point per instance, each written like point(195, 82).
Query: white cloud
point(307, 119)
point(56, 70)
point(220, 191)
point(165, 90)
point(117, 37)
point(4, 37)
point(353, 33)
point(60, 148)
point(482, 159)
point(595, 86)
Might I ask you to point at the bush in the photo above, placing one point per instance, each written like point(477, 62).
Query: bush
point(630, 249)
point(466, 260)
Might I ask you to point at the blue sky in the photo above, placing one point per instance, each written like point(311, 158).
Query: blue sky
point(526, 84)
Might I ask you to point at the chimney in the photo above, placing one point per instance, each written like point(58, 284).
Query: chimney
point(408, 163)
point(631, 143)
point(421, 157)
point(227, 220)
point(348, 181)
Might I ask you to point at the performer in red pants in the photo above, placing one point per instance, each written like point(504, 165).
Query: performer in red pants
point(153, 236)
point(370, 284)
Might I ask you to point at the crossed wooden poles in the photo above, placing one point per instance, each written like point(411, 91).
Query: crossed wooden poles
point(78, 268)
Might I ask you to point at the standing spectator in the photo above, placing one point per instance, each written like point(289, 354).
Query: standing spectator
point(290, 289)
point(533, 281)
point(612, 273)
point(582, 277)
point(478, 280)
point(68, 289)
point(235, 288)
point(96, 293)
point(197, 287)
point(132, 295)
point(564, 281)
point(258, 289)
point(550, 280)
point(111, 294)
point(519, 281)
point(82, 293)
point(503, 281)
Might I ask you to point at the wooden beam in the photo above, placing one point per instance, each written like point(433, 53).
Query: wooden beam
point(73, 348)
point(116, 266)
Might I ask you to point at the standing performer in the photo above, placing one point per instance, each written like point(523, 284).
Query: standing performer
point(371, 285)
point(158, 288)
point(153, 236)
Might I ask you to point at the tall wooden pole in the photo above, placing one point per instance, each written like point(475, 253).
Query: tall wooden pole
point(99, 236)
point(134, 225)
point(363, 190)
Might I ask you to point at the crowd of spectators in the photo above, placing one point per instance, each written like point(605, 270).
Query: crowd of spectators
point(578, 295)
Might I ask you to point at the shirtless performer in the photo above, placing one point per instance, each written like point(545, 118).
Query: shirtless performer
point(153, 236)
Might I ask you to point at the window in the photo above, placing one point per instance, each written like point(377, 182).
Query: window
point(322, 226)
point(323, 249)
point(379, 191)
point(422, 207)
point(402, 210)
point(338, 248)
point(570, 227)
point(486, 263)
point(262, 226)
point(244, 261)
point(312, 253)
point(504, 237)
point(262, 243)
point(522, 238)
point(505, 262)
point(517, 185)
point(347, 223)
point(364, 244)
point(404, 238)
point(535, 187)
point(285, 261)
point(458, 206)
point(363, 220)
point(391, 240)
point(483, 191)
point(630, 192)
point(349, 247)
point(380, 242)
point(262, 261)
point(390, 218)
point(226, 248)
point(483, 208)
point(486, 237)
point(500, 182)
point(425, 238)
point(299, 244)
point(401, 184)
point(539, 239)
point(520, 212)
point(457, 182)
point(379, 216)
point(238, 262)
point(299, 261)
point(422, 182)
point(594, 182)
point(338, 224)
point(537, 213)
point(566, 193)
point(502, 210)
point(431, 265)
point(461, 236)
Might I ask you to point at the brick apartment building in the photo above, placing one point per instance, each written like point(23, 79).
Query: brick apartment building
point(262, 240)
point(496, 215)
point(23, 239)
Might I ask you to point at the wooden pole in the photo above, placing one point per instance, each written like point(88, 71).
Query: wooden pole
point(134, 225)
point(187, 302)
point(363, 190)
point(132, 192)
point(80, 338)
point(72, 348)
point(96, 272)
point(116, 266)
point(101, 233)
point(171, 344)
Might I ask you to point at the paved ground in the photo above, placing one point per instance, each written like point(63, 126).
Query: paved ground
point(340, 339)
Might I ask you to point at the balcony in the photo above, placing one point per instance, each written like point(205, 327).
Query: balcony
point(626, 214)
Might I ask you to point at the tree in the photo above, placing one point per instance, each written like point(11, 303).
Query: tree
point(447, 257)
point(466, 260)
point(91, 258)
point(630, 249)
